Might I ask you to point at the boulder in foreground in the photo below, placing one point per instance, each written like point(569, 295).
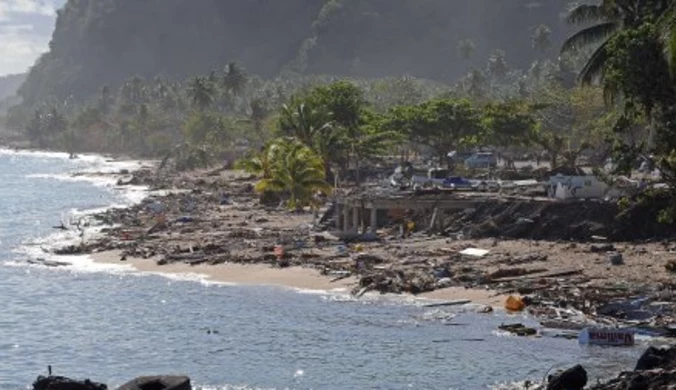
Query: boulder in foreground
point(572, 379)
point(162, 382)
point(62, 383)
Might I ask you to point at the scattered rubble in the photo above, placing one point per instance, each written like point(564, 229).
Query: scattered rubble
point(518, 329)
point(214, 218)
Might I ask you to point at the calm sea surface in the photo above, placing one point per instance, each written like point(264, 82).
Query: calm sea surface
point(110, 324)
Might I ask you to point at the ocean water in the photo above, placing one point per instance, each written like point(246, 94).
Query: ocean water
point(111, 324)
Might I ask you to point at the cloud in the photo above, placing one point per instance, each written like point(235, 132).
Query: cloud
point(25, 31)
point(10, 8)
point(19, 48)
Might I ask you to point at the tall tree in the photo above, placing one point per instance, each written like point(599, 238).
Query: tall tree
point(235, 79)
point(497, 65)
point(442, 125)
point(541, 38)
point(294, 170)
point(608, 18)
point(466, 48)
point(201, 93)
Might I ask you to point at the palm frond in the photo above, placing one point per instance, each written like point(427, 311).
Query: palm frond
point(589, 36)
point(594, 69)
point(586, 13)
point(667, 26)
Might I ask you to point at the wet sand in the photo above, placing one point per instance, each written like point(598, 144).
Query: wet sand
point(292, 277)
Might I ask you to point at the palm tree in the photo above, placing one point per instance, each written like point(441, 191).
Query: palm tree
point(105, 99)
point(609, 17)
point(667, 26)
point(466, 48)
point(297, 172)
point(474, 83)
point(201, 93)
point(259, 111)
point(541, 38)
point(260, 164)
point(314, 128)
point(304, 122)
point(235, 79)
point(497, 65)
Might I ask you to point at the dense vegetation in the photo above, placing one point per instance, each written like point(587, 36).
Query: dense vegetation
point(302, 132)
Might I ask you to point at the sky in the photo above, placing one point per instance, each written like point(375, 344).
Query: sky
point(26, 27)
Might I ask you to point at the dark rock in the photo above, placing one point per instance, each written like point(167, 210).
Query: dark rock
point(654, 358)
point(62, 383)
point(572, 379)
point(616, 259)
point(518, 329)
point(163, 382)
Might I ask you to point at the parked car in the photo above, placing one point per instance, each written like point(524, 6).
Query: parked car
point(481, 160)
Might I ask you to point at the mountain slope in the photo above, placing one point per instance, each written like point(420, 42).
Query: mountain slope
point(104, 42)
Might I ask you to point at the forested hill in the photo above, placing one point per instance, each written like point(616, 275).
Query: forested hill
point(106, 41)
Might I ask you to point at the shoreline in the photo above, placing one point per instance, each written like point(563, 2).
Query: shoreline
point(211, 223)
point(295, 278)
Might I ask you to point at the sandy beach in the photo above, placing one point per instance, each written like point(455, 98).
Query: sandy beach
point(211, 223)
point(292, 277)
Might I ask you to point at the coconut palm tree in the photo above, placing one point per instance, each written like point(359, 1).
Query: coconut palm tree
point(304, 122)
point(314, 128)
point(466, 48)
point(297, 172)
point(607, 18)
point(667, 26)
point(497, 65)
point(201, 93)
point(541, 38)
point(235, 79)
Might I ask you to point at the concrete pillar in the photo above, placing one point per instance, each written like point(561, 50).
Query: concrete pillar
point(374, 220)
point(355, 220)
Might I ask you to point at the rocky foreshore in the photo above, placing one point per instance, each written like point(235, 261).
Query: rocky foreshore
point(655, 370)
point(159, 382)
point(212, 218)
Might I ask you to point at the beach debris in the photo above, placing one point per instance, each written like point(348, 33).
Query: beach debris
point(161, 382)
point(616, 258)
point(485, 310)
point(514, 272)
point(609, 337)
point(474, 252)
point(671, 266)
point(514, 304)
point(518, 329)
point(47, 263)
point(340, 275)
point(185, 219)
point(602, 248)
point(63, 383)
point(456, 302)
point(574, 378)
